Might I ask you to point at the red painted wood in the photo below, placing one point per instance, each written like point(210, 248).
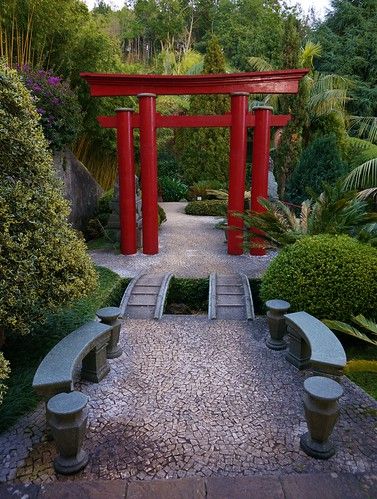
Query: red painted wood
point(126, 168)
point(237, 172)
point(260, 163)
point(193, 121)
point(148, 160)
point(266, 82)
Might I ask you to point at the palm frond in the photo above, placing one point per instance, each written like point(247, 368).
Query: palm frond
point(345, 328)
point(368, 193)
point(308, 53)
point(363, 177)
point(259, 64)
point(368, 324)
point(365, 127)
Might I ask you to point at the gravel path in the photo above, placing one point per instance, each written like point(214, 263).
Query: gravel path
point(190, 246)
point(193, 397)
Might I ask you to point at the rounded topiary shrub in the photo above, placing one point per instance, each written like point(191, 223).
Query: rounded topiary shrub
point(43, 263)
point(332, 277)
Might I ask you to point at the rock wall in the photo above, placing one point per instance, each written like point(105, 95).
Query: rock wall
point(80, 188)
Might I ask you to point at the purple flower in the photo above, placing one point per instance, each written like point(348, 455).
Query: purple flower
point(41, 111)
point(53, 80)
point(36, 87)
point(55, 101)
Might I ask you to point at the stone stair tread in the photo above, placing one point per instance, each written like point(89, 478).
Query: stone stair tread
point(142, 300)
point(229, 300)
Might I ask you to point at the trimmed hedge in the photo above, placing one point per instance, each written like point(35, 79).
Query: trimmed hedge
point(330, 277)
point(210, 207)
point(193, 293)
point(43, 262)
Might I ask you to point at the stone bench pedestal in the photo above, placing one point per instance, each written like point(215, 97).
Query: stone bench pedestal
point(67, 417)
point(321, 412)
point(110, 316)
point(276, 323)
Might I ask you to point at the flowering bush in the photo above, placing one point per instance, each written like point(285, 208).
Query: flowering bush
point(56, 104)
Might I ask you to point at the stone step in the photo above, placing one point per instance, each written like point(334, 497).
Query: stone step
point(142, 300)
point(140, 312)
point(150, 280)
point(230, 300)
point(228, 280)
point(233, 312)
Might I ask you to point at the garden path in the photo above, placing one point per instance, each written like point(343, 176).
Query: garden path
point(194, 397)
point(190, 246)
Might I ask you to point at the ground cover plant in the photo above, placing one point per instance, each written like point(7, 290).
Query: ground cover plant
point(209, 207)
point(25, 353)
point(187, 296)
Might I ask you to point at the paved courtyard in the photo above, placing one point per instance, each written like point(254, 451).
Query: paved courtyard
point(190, 246)
point(193, 397)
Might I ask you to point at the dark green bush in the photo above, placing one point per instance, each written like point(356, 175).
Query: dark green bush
point(161, 215)
point(200, 188)
point(43, 263)
point(320, 162)
point(210, 207)
point(332, 277)
point(4, 375)
point(193, 293)
point(172, 189)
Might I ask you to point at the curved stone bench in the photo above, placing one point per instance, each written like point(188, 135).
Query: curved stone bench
point(311, 343)
point(87, 344)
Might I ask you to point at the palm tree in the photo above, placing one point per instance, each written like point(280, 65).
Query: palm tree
point(360, 320)
point(364, 179)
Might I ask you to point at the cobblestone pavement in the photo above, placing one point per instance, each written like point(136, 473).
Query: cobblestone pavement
point(191, 397)
point(189, 246)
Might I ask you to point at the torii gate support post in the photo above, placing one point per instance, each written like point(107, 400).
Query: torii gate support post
point(148, 159)
point(126, 170)
point(237, 171)
point(260, 164)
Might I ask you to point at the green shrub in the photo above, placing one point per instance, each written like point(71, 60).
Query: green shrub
point(320, 162)
point(199, 189)
point(43, 263)
point(211, 207)
point(161, 215)
point(172, 189)
point(330, 277)
point(4, 374)
point(193, 293)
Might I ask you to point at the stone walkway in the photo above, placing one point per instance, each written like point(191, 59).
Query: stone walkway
point(196, 398)
point(189, 246)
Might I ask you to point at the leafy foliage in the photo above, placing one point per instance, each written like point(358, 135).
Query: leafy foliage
point(333, 277)
point(360, 320)
point(332, 212)
point(172, 189)
point(210, 207)
point(56, 104)
point(4, 375)
point(320, 162)
point(204, 151)
point(200, 188)
point(43, 263)
point(193, 293)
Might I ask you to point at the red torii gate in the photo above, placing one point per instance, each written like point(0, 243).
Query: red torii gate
point(146, 88)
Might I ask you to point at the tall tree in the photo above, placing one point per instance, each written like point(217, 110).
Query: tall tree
point(204, 151)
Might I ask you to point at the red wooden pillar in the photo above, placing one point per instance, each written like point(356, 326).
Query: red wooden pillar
point(148, 159)
point(126, 169)
point(260, 163)
point(237, 170)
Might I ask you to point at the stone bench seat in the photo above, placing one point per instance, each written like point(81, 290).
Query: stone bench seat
point(57, 370)
point(312, 343)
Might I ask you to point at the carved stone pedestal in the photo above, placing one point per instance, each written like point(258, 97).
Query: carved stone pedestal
point(276, 323)
point(67, 416)
point(109, 315)
point(321, 412)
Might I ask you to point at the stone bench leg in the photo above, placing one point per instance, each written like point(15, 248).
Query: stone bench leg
point(95, 365)
point(298, 351)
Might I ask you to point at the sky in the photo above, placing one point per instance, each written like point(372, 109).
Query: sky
point(319, 5)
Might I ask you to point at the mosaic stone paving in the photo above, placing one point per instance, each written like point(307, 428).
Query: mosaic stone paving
point(194, 397)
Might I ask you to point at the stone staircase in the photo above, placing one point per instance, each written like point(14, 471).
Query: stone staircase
point(145, 296)
point(230, 297)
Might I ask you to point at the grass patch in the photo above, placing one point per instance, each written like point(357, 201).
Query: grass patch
point(26, 352)
point(187, 296)
point(366, 380)
point(101, 243)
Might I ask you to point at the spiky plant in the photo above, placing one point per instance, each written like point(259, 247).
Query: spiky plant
point(369, 326)
point(364, 179)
